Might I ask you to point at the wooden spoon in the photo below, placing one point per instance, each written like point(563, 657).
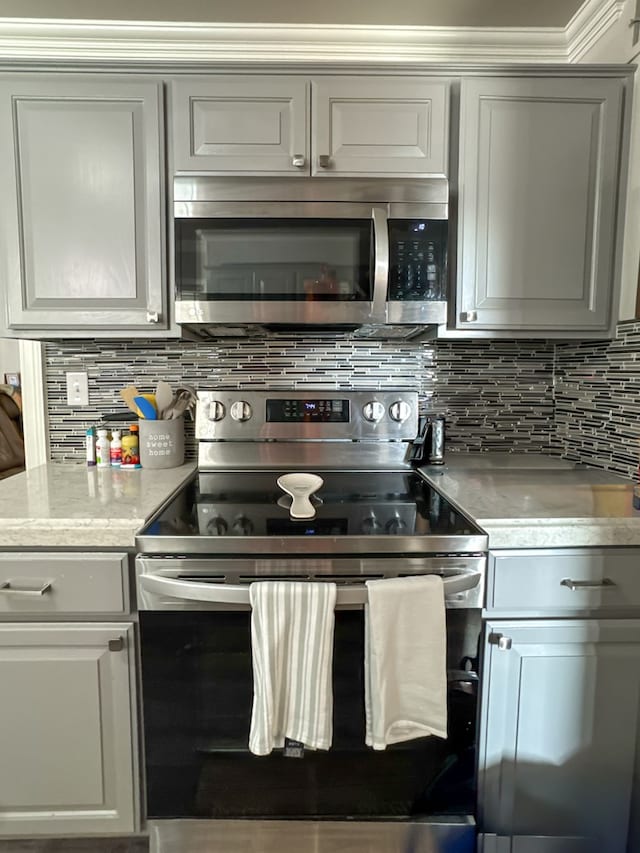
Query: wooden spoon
point(129, 394)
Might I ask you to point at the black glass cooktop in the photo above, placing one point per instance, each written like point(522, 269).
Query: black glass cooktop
point(359, 506)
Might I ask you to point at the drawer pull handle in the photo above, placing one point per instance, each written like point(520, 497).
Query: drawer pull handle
point(7, 588)
point(605, 583)
point(116, 645)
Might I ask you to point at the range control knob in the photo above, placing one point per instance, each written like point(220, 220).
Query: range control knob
point(242, 526)
point(217, 526)
point(373, 411)
point(399, 411)
point(370, 525)
point(217, 410)
point(240, 410)
point(395, 525)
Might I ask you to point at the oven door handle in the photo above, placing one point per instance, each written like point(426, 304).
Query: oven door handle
point(225, 593)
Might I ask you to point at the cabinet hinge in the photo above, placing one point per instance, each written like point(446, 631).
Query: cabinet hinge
point(503, 643)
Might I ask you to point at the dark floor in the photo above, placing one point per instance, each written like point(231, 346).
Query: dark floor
point(138, 844)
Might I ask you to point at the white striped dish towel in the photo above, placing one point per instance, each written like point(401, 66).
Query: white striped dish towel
point(292, 626)
point(405, 660)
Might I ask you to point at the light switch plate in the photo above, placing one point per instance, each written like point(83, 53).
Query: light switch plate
point(77, 389)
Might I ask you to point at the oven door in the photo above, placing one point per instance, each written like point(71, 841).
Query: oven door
point(285, 263)
point(197, 695)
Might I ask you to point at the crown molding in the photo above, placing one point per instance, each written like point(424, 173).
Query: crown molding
point(48, 39)
point(589, 24)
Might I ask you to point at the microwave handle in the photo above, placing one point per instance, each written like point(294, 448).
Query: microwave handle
point(380, 265)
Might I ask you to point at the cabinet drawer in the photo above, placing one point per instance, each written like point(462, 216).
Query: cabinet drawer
point(63, 583)
point(577, 580)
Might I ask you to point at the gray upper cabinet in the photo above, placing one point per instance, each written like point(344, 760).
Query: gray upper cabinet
point(538, 182)
point(240, 125)
point(66, 729)
point(82, 211)
point(380, 126)
point(293, 125)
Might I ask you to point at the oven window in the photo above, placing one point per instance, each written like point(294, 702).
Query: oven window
point(197, 689)
point(274, 259)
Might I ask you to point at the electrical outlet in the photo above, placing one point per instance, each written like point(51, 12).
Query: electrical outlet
point(77, 389)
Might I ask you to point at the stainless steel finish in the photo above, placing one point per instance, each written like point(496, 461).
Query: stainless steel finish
point(10, 588)
point(303, 455)
point(444, 834)
point(373, 411)
point(399, 411)
point(381, 265)
point(605, 583)
point(469, 316)
point(420, 194)
point(347, 596)
point(116, 645)
point(235, 315)
point(257, 429)
point(503, 643)
point(383, 544)
point(216, 411)
point(436, 441)
point(241, 411)
point(153, 317)
point(298, 160)
point(417, 313)
point(224, 583)
point(331, 198)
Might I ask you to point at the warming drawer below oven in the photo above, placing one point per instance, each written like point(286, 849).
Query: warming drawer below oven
point(440, 835)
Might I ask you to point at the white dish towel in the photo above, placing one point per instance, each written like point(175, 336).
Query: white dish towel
point(292, 627)
point(405, 660)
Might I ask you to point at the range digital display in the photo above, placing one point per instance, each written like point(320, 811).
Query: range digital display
point(308, 411)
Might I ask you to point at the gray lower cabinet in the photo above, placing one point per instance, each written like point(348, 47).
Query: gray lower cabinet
point(347, 125)
point(66, 729)
point(82, 208)
point(540, 177)
point(559, 728)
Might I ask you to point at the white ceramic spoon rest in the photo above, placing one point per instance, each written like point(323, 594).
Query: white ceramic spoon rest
point(300, 486)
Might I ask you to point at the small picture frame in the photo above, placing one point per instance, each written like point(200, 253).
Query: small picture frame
point(12, 379)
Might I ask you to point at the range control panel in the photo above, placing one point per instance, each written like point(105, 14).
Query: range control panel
point(295, 415)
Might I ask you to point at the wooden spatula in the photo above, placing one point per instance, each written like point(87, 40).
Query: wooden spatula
point(129, 394)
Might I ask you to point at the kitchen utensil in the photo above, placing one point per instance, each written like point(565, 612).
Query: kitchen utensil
point(300, 486)
point(129, 395)
point(182, 402)
point(147, 409)
point(164, 397)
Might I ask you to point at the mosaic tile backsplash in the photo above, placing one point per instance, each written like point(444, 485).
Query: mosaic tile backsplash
point(579, 400)
point(597, 401)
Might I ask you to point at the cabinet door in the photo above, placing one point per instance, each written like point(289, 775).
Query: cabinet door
point(379, 126)
point(558, 731)
point(66, 729)
point(240, 125)
point(81, 166)
point(539, 178)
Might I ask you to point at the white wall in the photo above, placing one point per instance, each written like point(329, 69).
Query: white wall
point(9, 357)
point(488, 13)
point(617, 45)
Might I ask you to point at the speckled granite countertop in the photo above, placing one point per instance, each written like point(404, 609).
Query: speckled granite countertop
point(521, 500)
point(74, 506)
point(527, 501)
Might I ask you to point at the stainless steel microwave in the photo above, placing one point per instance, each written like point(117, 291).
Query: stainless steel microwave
point(368, 256)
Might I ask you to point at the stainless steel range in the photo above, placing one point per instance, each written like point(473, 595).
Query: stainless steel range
point(373, 516)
